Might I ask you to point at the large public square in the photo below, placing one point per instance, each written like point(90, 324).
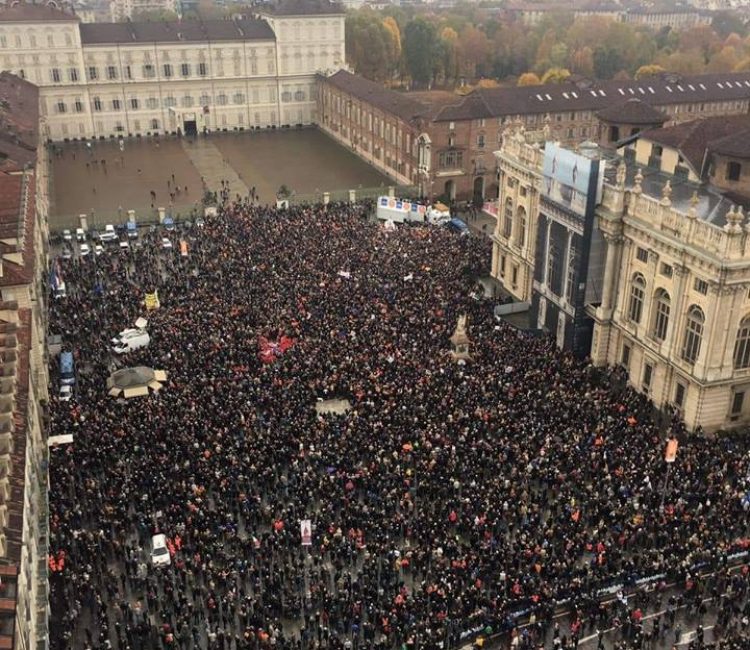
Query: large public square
point(103, 179)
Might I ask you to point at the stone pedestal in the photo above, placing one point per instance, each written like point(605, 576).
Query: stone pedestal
point(460, 342)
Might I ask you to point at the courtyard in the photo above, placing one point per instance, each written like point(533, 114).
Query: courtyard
point(106, 179)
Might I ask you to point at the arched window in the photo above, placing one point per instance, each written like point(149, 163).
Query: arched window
point(637, 295)
point(508, 219)
point(521, 227)
point(742, 345)
point(662, 306)
point(691, 346)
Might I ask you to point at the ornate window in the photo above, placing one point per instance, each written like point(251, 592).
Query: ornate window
point(691, 346)
point(508, 219)
point(662, 306)
point(637, 295)
point(742, 345)
point(521, 227)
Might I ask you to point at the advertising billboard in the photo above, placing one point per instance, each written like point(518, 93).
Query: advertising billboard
point(567, 177)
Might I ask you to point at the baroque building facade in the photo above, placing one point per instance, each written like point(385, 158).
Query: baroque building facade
point(672, 306)
point(135, 79)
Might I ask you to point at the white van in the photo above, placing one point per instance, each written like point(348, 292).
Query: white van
point(132, 341)
point(159, 551)
point(61, 291)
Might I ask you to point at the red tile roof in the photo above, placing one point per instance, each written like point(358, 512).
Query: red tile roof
point(17, 212)
point(694, 139)
point(19, 122)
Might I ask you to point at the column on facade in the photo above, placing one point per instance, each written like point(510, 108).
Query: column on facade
point(568, 243)
point(545, 252)
point(610, 272)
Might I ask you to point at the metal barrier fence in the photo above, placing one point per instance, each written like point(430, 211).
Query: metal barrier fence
point(146, 215)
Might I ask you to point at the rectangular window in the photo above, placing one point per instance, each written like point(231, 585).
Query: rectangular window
point(134, 103)
point(514, 276)
point(128, 72)
point(73, 74)
point(78, 106)
point(152, 103)
point(111, 72)
point(93, 73)
point(148, 71)
point(738, 400)
point(666, 270)
point(641, 255)
point(167, 70)
point(625, 356)
point(97, 104)
point(56, 75)
point(185, 69)
point(480, 141)
point(701, 286)
point(679, 395)
point(202, 69)
point(61, 108)
point(648, 374)
point(116, 105)
point(502, 266)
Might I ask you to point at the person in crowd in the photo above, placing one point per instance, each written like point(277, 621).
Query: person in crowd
point(450, 498)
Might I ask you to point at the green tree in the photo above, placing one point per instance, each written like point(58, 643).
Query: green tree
point(420, 51)
point(607, 62)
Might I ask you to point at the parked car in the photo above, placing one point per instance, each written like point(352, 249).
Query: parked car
point(67, 235)
point(80, 234)
point(66, 393)
point(109, 234)
point(200, 222)
point(124, 245)
point(159, 551)
point(67, 369)
point(67, 253)
point(98, 250)
point(84, 250)
point(166, 242)
point(458, 226)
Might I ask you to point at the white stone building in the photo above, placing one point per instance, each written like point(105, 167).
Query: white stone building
point(673, 294)
point(121, 10)
point(129, 79)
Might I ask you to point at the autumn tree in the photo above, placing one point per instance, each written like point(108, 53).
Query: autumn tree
point(555, 75)
point(529, 79)
point(369, 46)
point(725, 60)
point(473, 50)
point(582, 61)
point(650, 70)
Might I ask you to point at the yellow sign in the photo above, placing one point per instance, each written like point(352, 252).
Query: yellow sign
point(152, 301)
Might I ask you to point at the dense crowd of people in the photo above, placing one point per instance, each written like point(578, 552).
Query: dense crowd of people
point(450, 499)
